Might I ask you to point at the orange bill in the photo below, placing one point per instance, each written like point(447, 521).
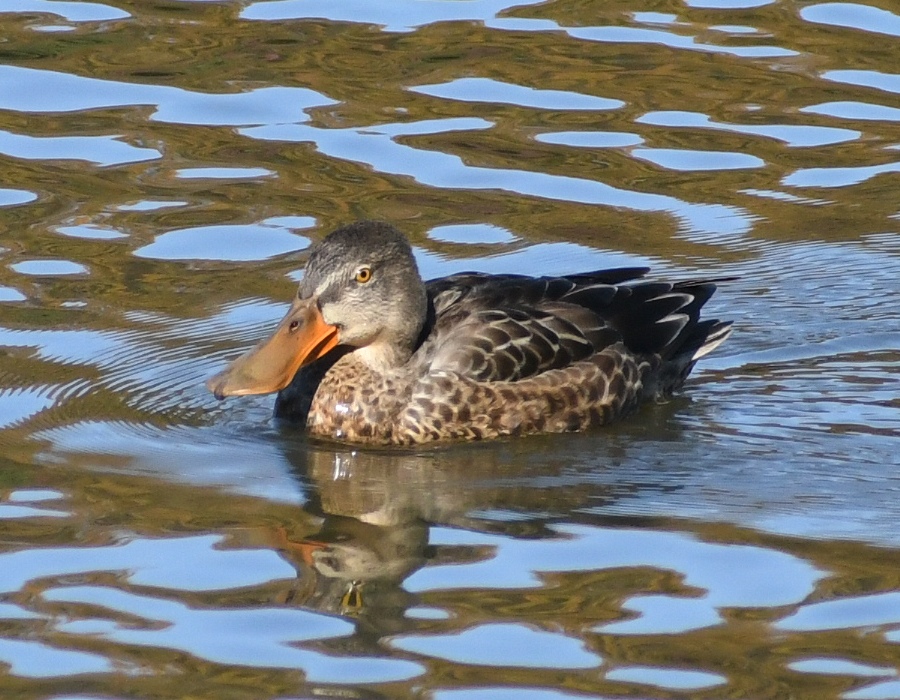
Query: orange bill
point(301, 337)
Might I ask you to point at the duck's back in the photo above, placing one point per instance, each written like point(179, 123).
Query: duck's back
point(510, 354)
point(506, 328)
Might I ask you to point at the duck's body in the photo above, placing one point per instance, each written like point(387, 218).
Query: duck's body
point(472, 356)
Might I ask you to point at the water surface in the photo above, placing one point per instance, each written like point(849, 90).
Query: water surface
point(165, 167)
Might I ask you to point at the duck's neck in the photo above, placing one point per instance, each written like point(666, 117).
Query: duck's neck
point(395, 346)
point(381, 357)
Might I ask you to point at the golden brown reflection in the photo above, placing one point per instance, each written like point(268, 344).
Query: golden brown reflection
point(369, 527)
point(101, 371)
point(343, 62)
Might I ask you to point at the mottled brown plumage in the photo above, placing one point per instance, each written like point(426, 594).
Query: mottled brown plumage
point(393, 360)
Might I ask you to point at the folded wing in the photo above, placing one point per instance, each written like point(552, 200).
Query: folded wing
point(510, 327)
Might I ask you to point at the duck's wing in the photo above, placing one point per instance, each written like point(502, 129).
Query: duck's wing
point(510, 327)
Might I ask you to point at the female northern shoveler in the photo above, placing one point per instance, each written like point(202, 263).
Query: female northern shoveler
point(368, 352)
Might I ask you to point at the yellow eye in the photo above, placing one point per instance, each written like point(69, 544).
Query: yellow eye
point(363, 274)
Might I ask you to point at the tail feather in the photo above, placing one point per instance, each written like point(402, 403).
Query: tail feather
point(710, 334)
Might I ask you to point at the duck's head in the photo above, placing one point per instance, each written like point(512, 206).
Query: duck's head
point(361, 289)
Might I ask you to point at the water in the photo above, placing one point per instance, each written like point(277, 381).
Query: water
point(165, 166)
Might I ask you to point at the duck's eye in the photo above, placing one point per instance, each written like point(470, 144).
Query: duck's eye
point(363, 274)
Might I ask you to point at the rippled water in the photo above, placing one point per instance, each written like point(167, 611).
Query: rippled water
point(166, 164)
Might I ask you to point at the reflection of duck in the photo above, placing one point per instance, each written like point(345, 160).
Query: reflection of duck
point(471, 355)
point(356, 568)
point(379, 507)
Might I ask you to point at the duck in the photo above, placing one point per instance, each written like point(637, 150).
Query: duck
point(370, 353)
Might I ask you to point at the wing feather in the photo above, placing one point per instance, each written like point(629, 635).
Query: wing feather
point(510, 327)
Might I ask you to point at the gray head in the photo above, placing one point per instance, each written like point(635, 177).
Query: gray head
point(366, 283)
point(361, 288)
